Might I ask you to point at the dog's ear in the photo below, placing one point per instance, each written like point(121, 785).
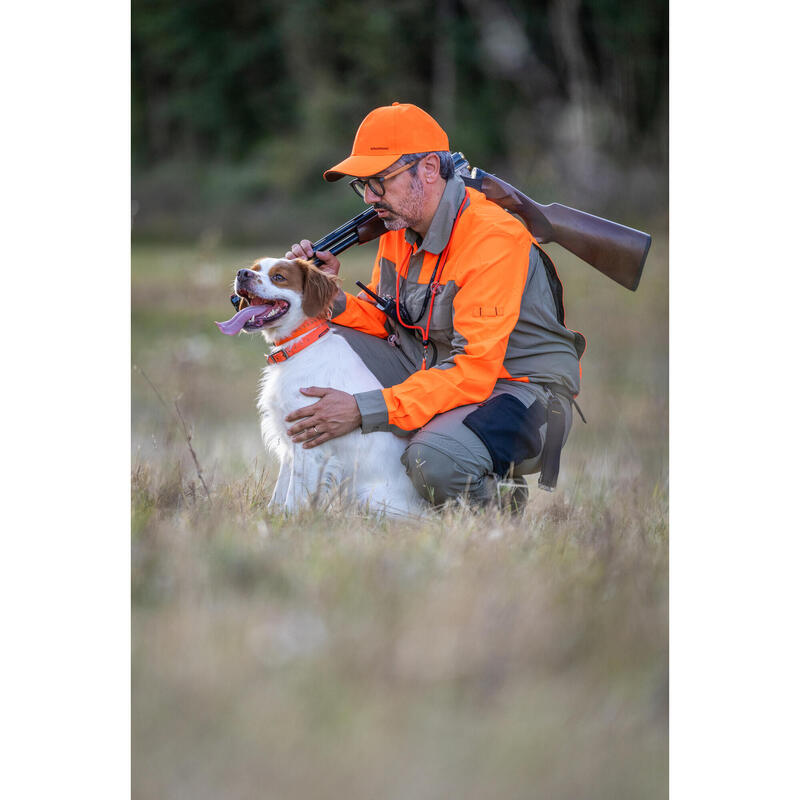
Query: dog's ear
point(319, 289)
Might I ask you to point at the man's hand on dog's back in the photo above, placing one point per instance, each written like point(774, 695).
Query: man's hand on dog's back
point(303, 249)
point(334, 414)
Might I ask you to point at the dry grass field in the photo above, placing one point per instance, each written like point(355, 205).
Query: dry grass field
point(330, 656)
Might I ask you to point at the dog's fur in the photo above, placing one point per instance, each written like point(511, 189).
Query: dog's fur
point(355, 467)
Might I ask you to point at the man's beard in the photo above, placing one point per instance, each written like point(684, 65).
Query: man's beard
point(395, 223)
point(409, 213)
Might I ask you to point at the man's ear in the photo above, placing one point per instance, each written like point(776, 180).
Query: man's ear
point(319, 289)
point(429, 168)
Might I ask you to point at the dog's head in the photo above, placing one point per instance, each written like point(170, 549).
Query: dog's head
point(286, 292)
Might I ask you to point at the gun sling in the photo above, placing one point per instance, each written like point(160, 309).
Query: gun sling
point(554, 435)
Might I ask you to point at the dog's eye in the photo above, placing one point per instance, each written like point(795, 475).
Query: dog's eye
point(278, 277)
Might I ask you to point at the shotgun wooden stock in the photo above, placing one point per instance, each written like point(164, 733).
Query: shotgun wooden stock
point(615, 250)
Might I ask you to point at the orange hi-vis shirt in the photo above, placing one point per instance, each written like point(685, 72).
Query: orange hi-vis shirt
point(495, 317)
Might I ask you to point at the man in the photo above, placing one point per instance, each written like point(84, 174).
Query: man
point(474, 356)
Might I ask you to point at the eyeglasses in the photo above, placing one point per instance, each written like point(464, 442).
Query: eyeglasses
point(375, 182)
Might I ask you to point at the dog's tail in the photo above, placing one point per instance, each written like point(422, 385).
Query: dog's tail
point(331, 487)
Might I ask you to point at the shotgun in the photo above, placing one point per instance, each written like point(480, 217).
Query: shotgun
point(615, 250)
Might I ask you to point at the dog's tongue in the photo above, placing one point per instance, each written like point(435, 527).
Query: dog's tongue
point(237, 321)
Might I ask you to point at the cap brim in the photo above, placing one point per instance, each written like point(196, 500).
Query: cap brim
point(360, 166)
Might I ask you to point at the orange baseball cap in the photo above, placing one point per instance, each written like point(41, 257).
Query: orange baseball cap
point(386, 134)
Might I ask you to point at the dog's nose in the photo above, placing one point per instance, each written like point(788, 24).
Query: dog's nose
point(242, 274)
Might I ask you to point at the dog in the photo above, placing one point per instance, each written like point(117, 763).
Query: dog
point(287, 301)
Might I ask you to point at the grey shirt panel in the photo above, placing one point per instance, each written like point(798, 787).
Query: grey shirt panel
point(540, 347)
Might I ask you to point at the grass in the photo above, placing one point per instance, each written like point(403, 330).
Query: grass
point(472, 656)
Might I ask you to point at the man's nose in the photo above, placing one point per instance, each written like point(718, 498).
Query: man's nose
point(370, 198)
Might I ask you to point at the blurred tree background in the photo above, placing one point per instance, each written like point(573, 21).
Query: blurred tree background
point(239, 105)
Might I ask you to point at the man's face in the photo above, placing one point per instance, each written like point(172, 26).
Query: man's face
point(401, 205)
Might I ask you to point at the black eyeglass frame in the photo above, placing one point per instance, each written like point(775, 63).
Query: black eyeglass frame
point(359, 185)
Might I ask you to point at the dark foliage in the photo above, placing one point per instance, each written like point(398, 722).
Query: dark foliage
point(220, 78)
point(248, 101)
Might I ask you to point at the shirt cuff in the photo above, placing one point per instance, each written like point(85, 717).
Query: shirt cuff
point(374, 414)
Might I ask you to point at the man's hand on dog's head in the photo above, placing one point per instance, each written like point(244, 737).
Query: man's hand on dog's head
point(303, 249)
point(334, 414)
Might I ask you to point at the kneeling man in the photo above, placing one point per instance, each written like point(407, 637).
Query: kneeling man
point(478, 367)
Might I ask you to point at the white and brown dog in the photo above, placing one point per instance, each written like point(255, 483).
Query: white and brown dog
point(287, 302)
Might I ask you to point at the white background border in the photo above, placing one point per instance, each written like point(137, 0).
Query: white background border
point(733, 304)
point(65, 602)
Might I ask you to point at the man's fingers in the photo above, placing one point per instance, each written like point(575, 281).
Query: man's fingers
point(330, 263)
point(316, 436)
point(301, 427)
point(321, 439)
point(300, 413)
point(309, 434)
point(302, 249)
point(334, 414)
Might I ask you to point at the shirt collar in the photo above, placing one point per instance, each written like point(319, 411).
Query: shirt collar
point(442, 224)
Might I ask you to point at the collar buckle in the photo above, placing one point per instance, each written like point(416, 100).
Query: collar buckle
point(308, 333)
point(277, 356)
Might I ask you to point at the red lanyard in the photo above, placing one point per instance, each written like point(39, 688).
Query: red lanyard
point(438, 270)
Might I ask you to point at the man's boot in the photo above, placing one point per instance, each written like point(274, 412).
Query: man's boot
point(512, 494)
